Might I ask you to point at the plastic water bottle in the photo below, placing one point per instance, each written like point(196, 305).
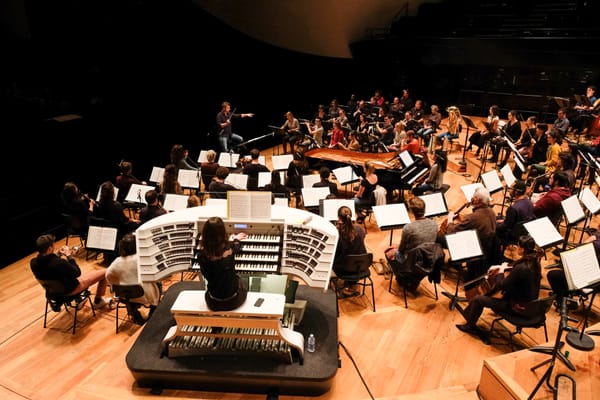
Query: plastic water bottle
point(310, 344)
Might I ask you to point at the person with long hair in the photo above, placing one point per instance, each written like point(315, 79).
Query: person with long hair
point(216, 256)
point(435, 180)
point(518, 287)
point(351, 240)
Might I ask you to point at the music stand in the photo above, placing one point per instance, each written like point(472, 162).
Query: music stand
point(276, 130)
point(463, 161)
point(463, 246)
point(390, 217)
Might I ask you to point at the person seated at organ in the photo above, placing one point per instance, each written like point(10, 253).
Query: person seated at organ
point(218, 188)
point(225, 290)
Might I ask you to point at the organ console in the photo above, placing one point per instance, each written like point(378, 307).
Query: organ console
point(288, 243)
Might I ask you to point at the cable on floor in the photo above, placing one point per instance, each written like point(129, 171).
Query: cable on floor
point(357, 370)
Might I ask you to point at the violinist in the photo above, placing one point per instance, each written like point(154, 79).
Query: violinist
point(483, 220)
point(518, 287)
point(524, 144)
point(510, 228)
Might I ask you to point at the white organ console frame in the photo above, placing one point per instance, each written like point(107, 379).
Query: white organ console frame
point(165, 245)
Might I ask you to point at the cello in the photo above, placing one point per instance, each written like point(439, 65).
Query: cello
point(444, 225)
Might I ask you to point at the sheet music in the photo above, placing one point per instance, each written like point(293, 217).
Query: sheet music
point(312, 195)
point(309, 180)
point(98, 195)
point(492, 181)
point(543, 232)
point(282, 161)
point(261, 159)
point(463, 245)
point(239, 181)
point(188, 178)
point(406, 158)
point(590, 201)
point(249, 205)
point(328, 208)
point(514, 150)
point(137, 193)
point(101, 237)
point(391, 215)
point(202, 156)
point(520, 164)
point(509, 177)
point(228, 160)
point(593, 160)
point(581, 266)
point(469, 189)
point(174, 202)
point(345, 175)
point(572, 209)
point(264, 178)
point(435, 204)
point(157, 174)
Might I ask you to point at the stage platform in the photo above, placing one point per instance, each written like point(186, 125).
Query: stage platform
point(244, 374)
point(509, 376)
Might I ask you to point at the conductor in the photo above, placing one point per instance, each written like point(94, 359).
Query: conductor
point(226, 135)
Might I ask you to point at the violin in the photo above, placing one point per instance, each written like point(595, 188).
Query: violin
point(444, 225)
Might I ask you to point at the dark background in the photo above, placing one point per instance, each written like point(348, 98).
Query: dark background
point(129, 69)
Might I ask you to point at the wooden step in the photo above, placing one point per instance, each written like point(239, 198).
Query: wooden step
point(449, 393)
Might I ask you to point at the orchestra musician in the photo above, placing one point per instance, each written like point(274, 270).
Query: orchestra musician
point(454, 124)
point(491, 130)
point(518, 287)
point(584, 111)
point(316, 131)
point(435, 180)
point(421, 230)
point(291, 127)
point(483, 220)
point(79, 207)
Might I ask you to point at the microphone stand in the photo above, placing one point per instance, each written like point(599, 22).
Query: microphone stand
point(555, 351)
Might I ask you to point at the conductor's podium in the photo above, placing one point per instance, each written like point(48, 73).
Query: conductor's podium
point(166, 353)
point(254, 327)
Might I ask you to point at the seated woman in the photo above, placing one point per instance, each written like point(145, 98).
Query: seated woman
point(350, 241)
point(519, 287)
point(363, 198)
point(435, 180)
point(124, 271)
point(216, 256)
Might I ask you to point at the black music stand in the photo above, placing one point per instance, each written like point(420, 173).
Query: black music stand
point(460, 253)
point(276, 130)
point(463, 161)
